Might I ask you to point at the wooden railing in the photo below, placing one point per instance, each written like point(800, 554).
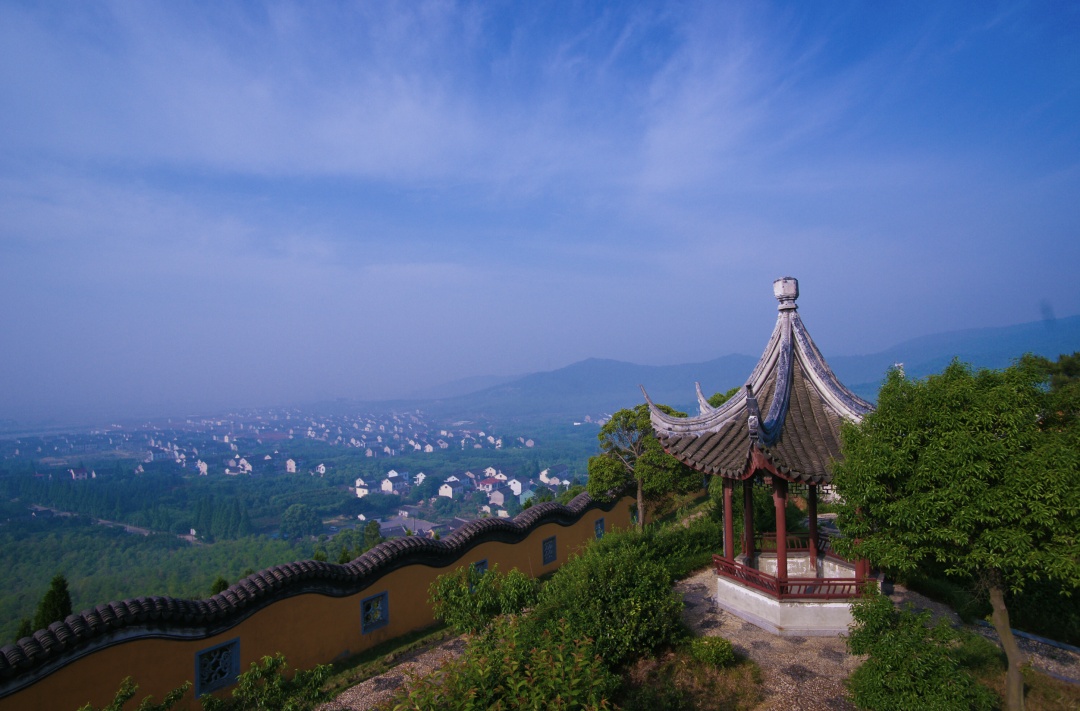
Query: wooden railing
point(791, 589)
point(798, 543)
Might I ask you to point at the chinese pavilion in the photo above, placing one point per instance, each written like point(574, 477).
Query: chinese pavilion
point(781, 430)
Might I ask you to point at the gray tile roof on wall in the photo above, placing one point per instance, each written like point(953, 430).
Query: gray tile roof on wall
point(46, 650)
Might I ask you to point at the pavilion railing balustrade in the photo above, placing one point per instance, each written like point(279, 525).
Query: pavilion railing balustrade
point(792, 588)
point(798, 543)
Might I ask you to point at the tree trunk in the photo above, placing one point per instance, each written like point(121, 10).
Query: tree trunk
point(1014, 680)
point(640, 505)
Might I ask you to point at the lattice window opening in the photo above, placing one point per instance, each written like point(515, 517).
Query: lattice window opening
point(375, 612)
point(598, 528)
point(217, 667)
point(549, 550)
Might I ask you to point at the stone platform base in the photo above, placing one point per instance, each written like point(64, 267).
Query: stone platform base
point(806, 618)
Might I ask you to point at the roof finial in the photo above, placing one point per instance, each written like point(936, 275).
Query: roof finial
point(786, 290)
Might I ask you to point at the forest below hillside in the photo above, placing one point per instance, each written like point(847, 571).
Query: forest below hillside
point(238, 519)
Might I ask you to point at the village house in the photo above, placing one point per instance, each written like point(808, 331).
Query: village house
point(500, 496)
point(362, 489)
point(452, 489)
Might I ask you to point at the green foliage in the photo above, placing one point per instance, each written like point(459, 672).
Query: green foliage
point(266, 686)
point(615, 595)
point(102, 564)
point(468, 600)
point(958, 469)
point(631, 455)
point(25, 629)
point(910, 665)
point(567, 496)
point(677, 548)
point(127, 690)
point(714, 651)
point(372, 536)
point(219, 585)
point(512, 667)
point(718, 399)
point(55, 605)
point(300, 520)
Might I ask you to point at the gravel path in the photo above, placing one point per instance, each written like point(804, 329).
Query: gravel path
point(376, 690)
point(798, 673)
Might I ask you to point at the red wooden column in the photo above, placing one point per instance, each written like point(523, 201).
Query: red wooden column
point(748, 521)
point(811, 514)
point(780, 504)
point(729, 525)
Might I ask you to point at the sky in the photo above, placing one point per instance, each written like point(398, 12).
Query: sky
point(238, 204)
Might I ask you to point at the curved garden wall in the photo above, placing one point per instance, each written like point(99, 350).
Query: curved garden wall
point(313, 612)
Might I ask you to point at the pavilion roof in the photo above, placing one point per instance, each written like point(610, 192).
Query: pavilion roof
point(785, 420)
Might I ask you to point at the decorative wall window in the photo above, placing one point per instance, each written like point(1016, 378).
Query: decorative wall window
point(598, 527)
point(217, 667)
point(374, 612)
point(549, 550)
point(480, 566)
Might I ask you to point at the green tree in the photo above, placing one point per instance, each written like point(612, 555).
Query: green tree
point(631, 454)
point(718, 399)
point(25, 629)
point(372, 535)
point(55, 605)
point(219, 585)
point(300, 520)
point(971, 471)
point(910, 663)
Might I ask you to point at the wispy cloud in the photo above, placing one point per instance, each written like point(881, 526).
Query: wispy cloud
point(423, 191)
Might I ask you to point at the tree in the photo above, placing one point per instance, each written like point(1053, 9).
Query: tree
point(631, 454)
point(972, 471)
point(372, 535)
point(55, 605)
point(219, 585)
point(300, 520)
point(718, 399)
point(26, 628)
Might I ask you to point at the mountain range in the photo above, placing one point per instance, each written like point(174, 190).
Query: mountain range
point(598, 386)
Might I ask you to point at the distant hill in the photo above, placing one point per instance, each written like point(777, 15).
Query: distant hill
point(981, 347)
point(592, 387)
point(595, 386)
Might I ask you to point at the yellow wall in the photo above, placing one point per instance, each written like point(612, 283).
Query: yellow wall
point(309, 629)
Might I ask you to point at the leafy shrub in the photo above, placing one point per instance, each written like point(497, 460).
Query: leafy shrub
point(510, 667)
point(265, 687)
point(127, 690)
point(678, 548)
point(617, 596)
point(468, 600)
point(714, 651)
point(909, 665)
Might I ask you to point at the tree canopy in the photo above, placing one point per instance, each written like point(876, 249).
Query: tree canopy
point(973, 470)
point(55, 605)
point(631, 454)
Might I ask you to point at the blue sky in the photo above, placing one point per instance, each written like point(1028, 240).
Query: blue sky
point(209, 204)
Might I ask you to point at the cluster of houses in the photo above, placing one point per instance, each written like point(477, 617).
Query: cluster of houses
point(499, 487)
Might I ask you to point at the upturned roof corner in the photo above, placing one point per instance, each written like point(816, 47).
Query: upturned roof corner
point(788, 413)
